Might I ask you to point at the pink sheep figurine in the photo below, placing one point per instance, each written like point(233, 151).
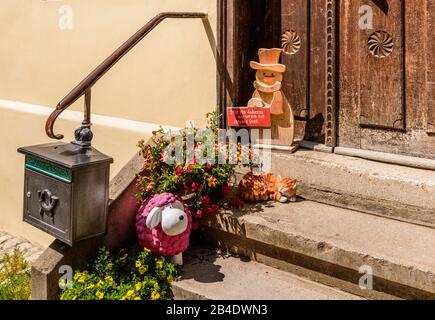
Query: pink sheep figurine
point(163, 225)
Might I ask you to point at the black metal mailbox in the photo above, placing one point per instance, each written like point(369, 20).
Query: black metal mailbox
point(66, 190)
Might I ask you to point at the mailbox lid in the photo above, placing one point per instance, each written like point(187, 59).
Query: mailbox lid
point(67, 155)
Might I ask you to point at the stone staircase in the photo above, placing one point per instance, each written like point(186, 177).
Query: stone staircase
point(354, 215)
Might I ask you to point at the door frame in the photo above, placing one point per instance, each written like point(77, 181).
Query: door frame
point(228, 64)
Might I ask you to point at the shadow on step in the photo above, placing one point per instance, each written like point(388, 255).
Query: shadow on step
point(207, 257)
point(306, 266)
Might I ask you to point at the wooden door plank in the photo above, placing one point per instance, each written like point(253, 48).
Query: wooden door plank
point(381, 55)
point(295, 20)
point(349, 132)
point(430, 53)
point(315, 128)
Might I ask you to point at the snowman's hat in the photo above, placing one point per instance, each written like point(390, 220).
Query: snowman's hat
point(269, 60)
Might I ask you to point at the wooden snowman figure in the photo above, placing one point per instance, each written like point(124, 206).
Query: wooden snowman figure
point(268, 94)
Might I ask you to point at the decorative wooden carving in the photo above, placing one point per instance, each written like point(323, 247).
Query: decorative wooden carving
point(331, 136)
point(268, 94)
point(430, 58)
point(380, 44)
point(290, 42)
point(382, 81)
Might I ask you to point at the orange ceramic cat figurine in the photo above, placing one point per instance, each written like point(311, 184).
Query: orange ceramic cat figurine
point(267, 187)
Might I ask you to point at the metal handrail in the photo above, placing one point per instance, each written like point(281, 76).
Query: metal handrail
point(83, 134)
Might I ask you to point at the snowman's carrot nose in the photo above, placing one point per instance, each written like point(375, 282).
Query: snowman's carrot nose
point(269, 79)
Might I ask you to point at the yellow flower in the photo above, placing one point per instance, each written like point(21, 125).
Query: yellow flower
point(155, 295)
point(212, 182)
point(100, 283)
point(138, 264)
point(130, 293)
point(156, 286)
point(77, 276)
point(147, 250)
point(82, 279)
point(91, 286)
point(137, 298)
point(100, 295)
point(109, 279)
point(170, 279)
point(159, 264)
point(143, 269)
point(110, 266)
point(138, 286)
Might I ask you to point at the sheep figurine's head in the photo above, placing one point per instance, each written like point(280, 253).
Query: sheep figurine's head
point(163, 224)
point(173, 219)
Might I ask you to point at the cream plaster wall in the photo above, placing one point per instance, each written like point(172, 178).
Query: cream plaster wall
point(167, 79)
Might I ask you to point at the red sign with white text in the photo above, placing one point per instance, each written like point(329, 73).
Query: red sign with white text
point(249, 117)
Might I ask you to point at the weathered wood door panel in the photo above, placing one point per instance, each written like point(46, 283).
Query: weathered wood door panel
point(386, 76)
point(431, 65)
point(303, 30)
point(296, 44)
point(382, 67)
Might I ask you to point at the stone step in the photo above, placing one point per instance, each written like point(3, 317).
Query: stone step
point(389, 190)
point(210, 275)
point(332, 241)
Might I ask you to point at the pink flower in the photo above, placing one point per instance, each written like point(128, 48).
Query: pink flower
point(214, 209)
point(195, 186)
point(164, 157)
point(208, 165)
point(199, 214)
point(189, 168)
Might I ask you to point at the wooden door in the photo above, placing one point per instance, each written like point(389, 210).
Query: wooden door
point(297, 26)
point(303, 40)
point(386, 76)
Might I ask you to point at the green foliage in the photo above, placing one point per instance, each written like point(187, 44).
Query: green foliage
point(203, 169)
point(134, 275)
point(14, 277)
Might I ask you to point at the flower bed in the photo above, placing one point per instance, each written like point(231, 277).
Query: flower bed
point(134, 275)
point(202, 171)
point(193, 166)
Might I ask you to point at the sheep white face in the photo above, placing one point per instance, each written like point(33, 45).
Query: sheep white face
point(172, 218)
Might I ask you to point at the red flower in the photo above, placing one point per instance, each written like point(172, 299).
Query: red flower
point(208, 165)
point(179, 171)
point(226, 190)
point(150, 187)
point(236, 203)
point(199, 214)
point(206, 201)
point(195, 186)
point(213, 209)
point(195, 225)
point(189, 168)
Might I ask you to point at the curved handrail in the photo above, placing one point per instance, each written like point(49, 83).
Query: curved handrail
point(85, 86)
